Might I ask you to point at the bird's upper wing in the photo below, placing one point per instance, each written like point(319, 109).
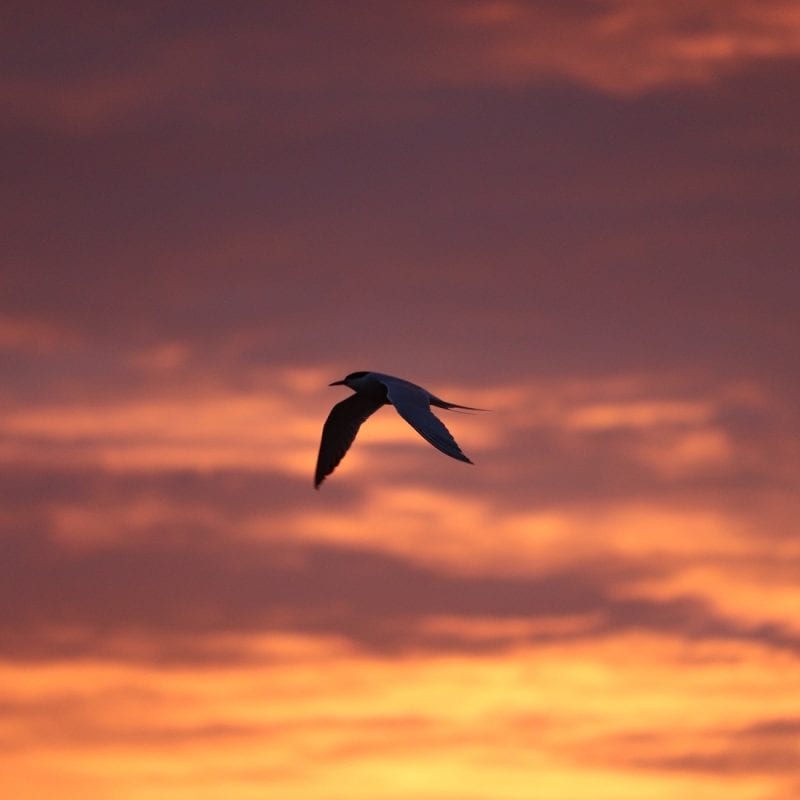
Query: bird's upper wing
point(413, 405)
point(340, 429)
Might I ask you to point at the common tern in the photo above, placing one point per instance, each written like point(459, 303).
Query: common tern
point(373, 390)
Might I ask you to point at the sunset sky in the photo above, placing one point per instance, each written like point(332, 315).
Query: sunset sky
point(583, 215)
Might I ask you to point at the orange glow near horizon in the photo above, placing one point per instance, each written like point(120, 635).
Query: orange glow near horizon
point(318, 715)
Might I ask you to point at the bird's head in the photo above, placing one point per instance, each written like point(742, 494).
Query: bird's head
point(353, 380)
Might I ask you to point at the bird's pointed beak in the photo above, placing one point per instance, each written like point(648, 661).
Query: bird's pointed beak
point(336, 383)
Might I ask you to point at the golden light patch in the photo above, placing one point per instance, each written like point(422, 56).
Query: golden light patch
point(316, 713)
point(664, 531)
point(229, 430)
point(433, 527)
point(638, 414)
point(471, 535)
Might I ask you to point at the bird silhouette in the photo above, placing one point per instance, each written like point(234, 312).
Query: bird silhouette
point(373, 390)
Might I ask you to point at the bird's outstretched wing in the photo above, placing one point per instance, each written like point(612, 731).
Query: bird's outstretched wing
point(413, 405)
point(340, 429)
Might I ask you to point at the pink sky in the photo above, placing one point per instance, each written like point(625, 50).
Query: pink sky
point(582, 215)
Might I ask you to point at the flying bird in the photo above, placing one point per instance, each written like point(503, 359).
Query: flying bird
point(373, 390)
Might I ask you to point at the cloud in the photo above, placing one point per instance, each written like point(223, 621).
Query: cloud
point(144, 65)
point(763, 747)
point(624, 46)
point(595, 235)
point(151, 526)
point(171, 587)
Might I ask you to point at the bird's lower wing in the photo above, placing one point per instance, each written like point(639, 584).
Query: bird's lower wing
point(414, 407)
point(340, 429)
